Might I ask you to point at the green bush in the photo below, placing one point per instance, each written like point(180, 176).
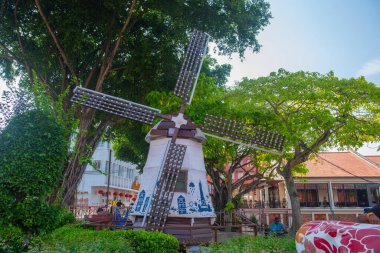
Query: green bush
point(72, 238)
point(65, 217)
point(144, 241)
point(254, 219)
point(251, 244)
point(33, 147)
point(10, 239)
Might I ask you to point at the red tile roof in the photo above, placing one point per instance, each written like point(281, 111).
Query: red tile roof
point(374, 158)
point(341, 164)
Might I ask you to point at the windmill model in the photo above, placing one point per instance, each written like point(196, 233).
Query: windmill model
point(174, 186)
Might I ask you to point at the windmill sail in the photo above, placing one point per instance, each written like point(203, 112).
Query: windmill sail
point(163, 195)
point(247, 134)
point(191, 66)
point(114, 105)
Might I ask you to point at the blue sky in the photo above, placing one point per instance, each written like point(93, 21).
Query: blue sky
point(317, 35)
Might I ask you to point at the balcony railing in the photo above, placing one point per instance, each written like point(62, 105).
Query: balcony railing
point(314, 204)
point(120, 182)
point(268, 204)
point(352, 204)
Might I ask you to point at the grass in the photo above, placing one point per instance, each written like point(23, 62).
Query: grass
point(251, 244)
point(74, 239)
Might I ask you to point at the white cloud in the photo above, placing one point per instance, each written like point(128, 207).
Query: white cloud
point(370, 68)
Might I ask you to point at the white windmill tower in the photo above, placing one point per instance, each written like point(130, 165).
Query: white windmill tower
point(174, 188)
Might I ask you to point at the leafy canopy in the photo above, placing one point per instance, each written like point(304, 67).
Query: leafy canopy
point(304, 106)
point(125, 48)
point(32, 150)
point(314, 112)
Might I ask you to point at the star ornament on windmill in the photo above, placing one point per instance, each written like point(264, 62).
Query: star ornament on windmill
point(174, 185)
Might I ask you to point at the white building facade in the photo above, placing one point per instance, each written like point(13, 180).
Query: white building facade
point(124, 180)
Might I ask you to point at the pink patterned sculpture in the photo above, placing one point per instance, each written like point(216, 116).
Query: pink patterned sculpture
point(337, 237)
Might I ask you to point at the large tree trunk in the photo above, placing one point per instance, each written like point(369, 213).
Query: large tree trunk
point(86, 143)
point(228, 214)
point(294, 199)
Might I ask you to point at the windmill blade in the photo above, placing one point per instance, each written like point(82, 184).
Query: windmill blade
point(191, 66)
point(167, 180)
point(240, 133)
point(114, 105)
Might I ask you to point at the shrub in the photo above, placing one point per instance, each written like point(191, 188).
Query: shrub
point(10, 239)
point(71, 238)
point(65, 217)
point(144, 241)
point(251, 244)
point(254, 219)
point(33, 147)
point(229, 206)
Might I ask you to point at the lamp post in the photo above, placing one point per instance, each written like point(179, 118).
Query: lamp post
point(109, 173)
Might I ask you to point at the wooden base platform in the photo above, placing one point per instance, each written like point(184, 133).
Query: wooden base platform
point(188, 231)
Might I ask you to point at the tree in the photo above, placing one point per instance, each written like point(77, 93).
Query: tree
point(223, 159)
point(314, 112)
point(123, 48)
point(33, 148)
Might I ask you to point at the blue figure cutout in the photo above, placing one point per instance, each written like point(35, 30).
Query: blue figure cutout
point(203, 207)
point(145, 204)
point(120, 215)
point(140, 201)
point(181, 205)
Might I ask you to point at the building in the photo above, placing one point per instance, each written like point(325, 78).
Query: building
point(124, 180)
point(338, 185)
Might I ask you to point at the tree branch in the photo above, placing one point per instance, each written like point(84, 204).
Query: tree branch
point(52, 34)
point(303, 155)
point(248, 189)
point(108, 60)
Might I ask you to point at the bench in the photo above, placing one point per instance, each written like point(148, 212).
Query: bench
point(105, 220)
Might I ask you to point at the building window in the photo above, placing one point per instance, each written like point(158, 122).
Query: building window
point(181, 185)
point(130, 174)
point(351, 195)
point(310, 195)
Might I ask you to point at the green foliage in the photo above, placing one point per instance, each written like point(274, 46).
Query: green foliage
point(33, 147)
point(250, 244)
point(229, 206)
point(78, 43)
point(254, 219)
point(143, 241)
point(75, 239)
point(11, 238)
point(65, 217)
point(306, 106)
point(314, 112)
